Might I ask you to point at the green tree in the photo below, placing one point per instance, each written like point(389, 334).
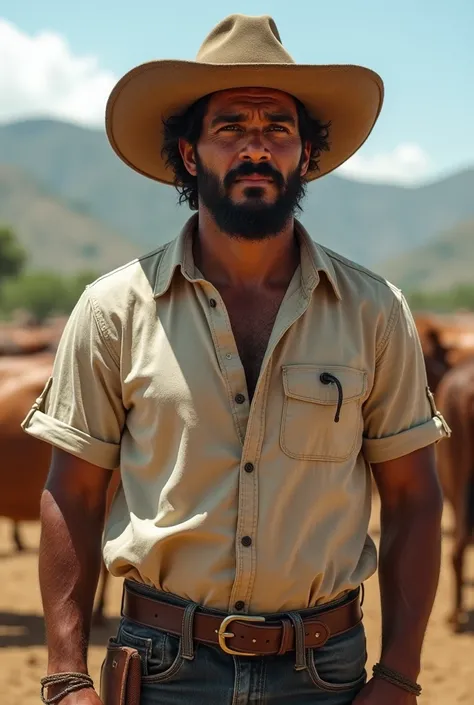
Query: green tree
point(457, 298)
point(12, 255)
point(43, 294)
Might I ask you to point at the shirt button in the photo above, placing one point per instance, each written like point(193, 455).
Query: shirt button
point(212, 303)
point(246, 541)
point(248, 467)
point(239, 605)
point(239, 398)
point(228, 356)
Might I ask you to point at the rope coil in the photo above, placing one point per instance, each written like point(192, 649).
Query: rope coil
point(73, 681)
point(395, 678)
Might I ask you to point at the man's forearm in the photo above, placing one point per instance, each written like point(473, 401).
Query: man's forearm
point(69, 565)
point(410, 554)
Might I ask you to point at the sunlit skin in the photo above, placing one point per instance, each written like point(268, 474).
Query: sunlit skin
point(248, 125)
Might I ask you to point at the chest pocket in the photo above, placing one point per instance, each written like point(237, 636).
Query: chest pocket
point(313, 401)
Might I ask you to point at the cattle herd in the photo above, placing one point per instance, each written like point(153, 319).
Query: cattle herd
point(26, 359)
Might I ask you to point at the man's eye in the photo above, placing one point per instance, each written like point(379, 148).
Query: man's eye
point(239, 128)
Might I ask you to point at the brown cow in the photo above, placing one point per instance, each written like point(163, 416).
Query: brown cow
point(28, 340)
point(12, 369)
point(24, 460)
point(447, 340)
point(455, 458)
point(436, 358)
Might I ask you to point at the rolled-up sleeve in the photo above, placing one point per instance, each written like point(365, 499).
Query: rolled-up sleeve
point(400, 415)
point(80, 409)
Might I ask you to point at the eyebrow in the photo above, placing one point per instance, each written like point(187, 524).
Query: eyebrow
point(281, 117)
point(225, 118)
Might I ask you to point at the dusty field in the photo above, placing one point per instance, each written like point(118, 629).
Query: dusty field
point(448, 664)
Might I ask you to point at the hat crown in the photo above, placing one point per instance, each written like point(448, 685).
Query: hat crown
point(244, 39)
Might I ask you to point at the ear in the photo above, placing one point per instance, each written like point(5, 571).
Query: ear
point(186, 150)
point(305, 158)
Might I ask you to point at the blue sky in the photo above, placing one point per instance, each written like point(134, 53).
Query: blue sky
point(423, 50)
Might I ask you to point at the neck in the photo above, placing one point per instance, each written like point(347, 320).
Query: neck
point(231, 262)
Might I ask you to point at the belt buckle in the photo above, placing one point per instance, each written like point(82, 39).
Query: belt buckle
point(222, 634)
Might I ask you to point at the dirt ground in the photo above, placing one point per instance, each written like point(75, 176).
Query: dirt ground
point(448, 663)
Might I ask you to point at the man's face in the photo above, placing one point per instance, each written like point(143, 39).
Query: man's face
point(249, 161)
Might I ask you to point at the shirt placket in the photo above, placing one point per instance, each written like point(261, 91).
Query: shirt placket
point(234, 375)
point(246, 547)
point(250, 422)
point(228, 357)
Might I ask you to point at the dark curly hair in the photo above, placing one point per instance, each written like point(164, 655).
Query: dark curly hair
point(188, 126)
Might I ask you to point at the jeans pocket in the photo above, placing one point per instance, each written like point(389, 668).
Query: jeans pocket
point(340, 664)
point(160, 652)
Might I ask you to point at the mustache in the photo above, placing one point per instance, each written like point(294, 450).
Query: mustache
point(248, 169)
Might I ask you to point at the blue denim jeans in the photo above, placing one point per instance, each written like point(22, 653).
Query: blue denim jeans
point(334, 673)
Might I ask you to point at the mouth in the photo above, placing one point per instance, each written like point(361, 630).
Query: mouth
point(255, 179)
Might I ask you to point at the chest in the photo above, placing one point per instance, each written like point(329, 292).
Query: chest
point(252, 320)
point(178, 363)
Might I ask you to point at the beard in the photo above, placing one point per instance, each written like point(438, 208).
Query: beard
point(254, 219)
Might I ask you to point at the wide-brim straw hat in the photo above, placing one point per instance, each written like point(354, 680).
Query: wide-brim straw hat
point(241, 51)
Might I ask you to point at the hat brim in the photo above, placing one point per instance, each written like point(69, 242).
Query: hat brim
point(350, 97)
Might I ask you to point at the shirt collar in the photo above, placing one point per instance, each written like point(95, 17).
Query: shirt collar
point(314, 259)
point(179, 253)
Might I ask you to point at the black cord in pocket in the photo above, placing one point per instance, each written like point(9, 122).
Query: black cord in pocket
point(328, 378)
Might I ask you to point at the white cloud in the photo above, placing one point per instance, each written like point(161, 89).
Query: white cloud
point(407, 164)
point(40, 77)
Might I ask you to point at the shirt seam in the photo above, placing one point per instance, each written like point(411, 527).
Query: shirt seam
point(131, 263)
point(356, 267)
point(393, 319)
point(103, 330)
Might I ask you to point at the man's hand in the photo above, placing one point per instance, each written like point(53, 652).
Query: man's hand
point(380, 692)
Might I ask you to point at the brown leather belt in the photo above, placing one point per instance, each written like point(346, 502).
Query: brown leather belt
point(240, 634)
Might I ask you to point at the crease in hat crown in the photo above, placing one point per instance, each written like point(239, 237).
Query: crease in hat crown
point(244, 39)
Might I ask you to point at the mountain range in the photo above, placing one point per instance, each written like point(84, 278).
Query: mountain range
point(55, 236)
point(438, 265)
point(75, 204)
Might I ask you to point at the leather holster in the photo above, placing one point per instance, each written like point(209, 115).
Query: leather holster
point(120, 675)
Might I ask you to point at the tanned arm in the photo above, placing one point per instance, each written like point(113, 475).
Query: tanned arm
point(72, 519)
point(409, 566)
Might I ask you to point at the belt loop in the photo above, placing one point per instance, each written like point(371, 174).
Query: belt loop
point(362, 590)
point(124, 587)
point(286, 627)
point(187, 642)
point(300, 656)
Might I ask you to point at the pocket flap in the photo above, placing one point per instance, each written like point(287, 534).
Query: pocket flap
point(303, 382)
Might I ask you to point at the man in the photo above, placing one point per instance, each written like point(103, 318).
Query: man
point(245, 380)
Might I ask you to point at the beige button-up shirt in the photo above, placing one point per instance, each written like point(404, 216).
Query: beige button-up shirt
point(224, 501)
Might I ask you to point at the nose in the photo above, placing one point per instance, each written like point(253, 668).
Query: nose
point(255, 150)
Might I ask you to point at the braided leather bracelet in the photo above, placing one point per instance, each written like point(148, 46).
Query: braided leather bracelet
point(73, 681)
point(396, 678)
